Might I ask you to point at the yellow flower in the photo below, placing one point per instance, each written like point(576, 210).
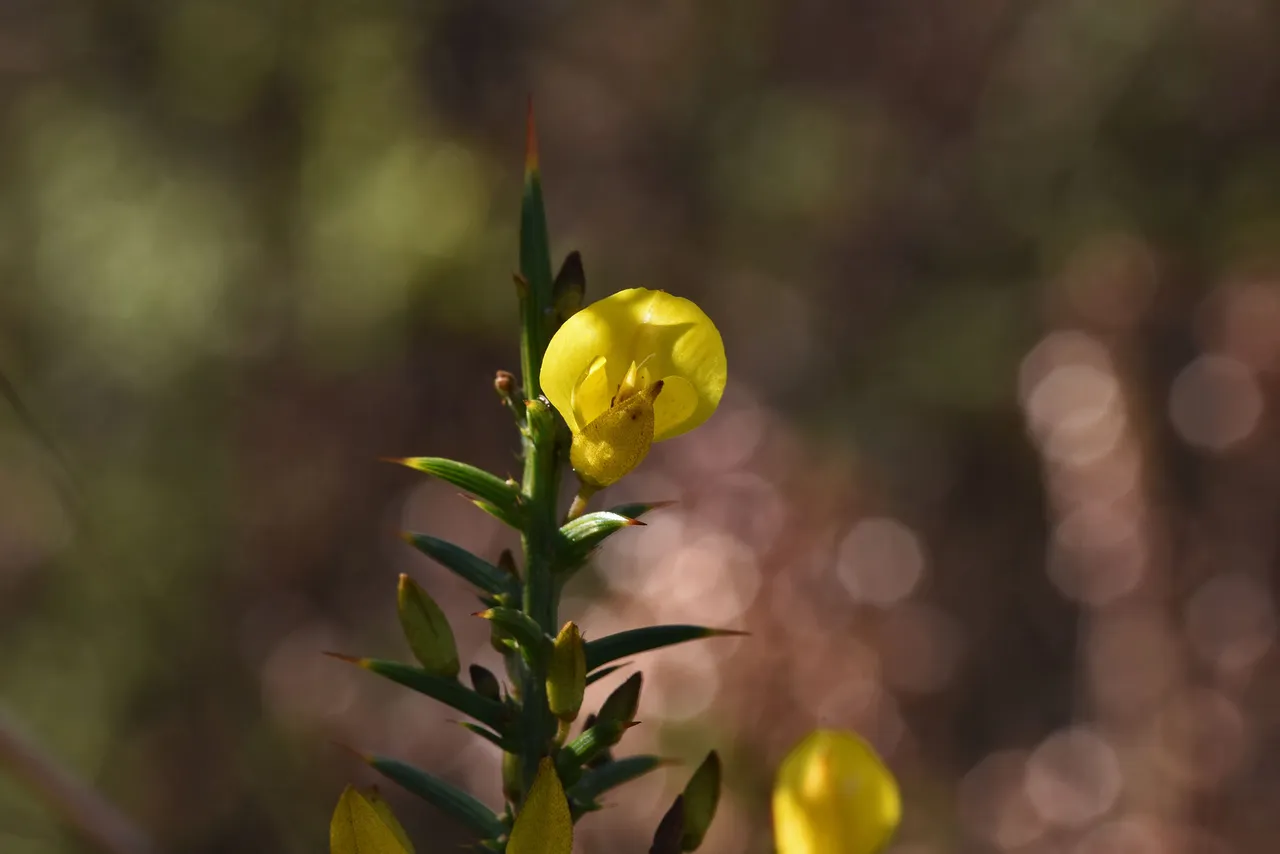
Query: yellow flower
point(632, 369)
point(833, 795)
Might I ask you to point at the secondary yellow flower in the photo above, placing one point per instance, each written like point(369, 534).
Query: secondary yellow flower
point(833, 795)
point(632, 369)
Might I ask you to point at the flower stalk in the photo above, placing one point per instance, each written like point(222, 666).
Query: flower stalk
point(580, 502)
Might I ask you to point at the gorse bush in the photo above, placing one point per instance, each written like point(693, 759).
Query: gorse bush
point(599, 385)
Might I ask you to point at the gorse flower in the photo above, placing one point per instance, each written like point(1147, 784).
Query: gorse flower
point(833, 795)
point(637, 367)
point(634, 368)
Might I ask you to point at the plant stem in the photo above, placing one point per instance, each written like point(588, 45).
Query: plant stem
point(542, 463)
point(541, 485)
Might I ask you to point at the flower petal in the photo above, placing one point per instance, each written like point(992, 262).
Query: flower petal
point(602, 329)
point(591, 394)
point(673, 408)
point(676, 337)
point(616, 442)
point(680, 340)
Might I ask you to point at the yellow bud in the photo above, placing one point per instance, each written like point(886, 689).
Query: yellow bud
point(617, 441)
point(567, 673)
point(363, 822)
point(511, 778)
point(544, 824)
point(833, 795)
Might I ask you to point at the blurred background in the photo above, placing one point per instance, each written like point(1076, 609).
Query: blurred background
point(995, 482)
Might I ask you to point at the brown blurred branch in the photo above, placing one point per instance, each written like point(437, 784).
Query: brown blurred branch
point(77, 803)
point(65, 481)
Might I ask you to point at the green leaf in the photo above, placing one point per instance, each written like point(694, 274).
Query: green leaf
point(507, 744)
point(635, 511)
point(520, 626)
point(503, 497)
point(701, 797)
point(451, 692)
point(463, 563)
point(440, 794)
point(544, 825)
point(505, 516)
point(584, 534)
point(593, 741)
point(426, 629)
point(605, 671)
point(596, 781)
point(507, 563)
point(634, 641)
point(535, 268)
point(666, 840)
point(359, 827)
point(485, 683)
point(569, 287)
point(604, 756)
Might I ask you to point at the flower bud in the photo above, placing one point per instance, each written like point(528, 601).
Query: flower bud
point(509, 394)
point(507, 563)
point(504, 382)
point(569, 287)
point(701, 797)
point(567, 673)
point(544, 824)
point(833, 795)
point(622, 704)
point(668, 838)
point(512, 786)
point(426, 629)
point(485, 683)
point(364, 822)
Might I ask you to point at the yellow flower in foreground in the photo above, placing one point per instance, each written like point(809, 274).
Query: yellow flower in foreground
point(632, 369)
point(833, 795)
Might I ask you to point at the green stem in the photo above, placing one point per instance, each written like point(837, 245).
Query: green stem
point(544, 457)
point(541, 486)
